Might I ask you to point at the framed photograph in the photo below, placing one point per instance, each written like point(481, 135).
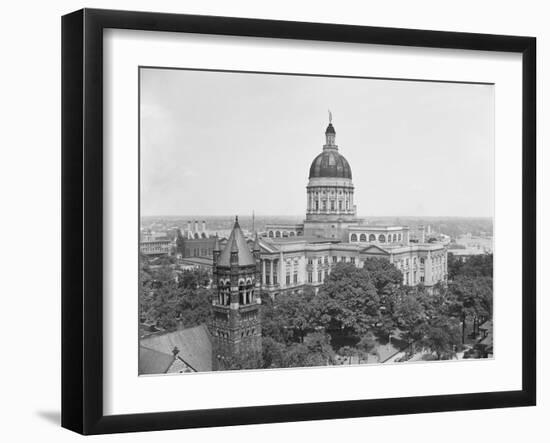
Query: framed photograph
point(268, 221)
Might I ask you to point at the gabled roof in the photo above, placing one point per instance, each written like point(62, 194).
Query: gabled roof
point(194, 346)
point(152, 361)
point(236, 243)
point(373, 249)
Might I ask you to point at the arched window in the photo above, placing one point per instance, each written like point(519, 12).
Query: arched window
point(197, 235)
point(285, 234)
point(292, 234)
point(242, 292)
point(277, 234)
point(204, 235)
point(270, 234)
point(382, 238)
point(422, 261)
point(225, 293)
point(372, 237)
point(221, 291)
point(249, 291)
point(394, 237)
point(363, 237)
point(353, 237)
point(399, 237)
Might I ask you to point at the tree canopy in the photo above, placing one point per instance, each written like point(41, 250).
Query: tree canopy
point(348, 300)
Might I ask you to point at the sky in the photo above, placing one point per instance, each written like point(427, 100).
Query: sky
point(224, 143)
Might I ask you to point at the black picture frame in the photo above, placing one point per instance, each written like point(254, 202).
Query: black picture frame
point(82, 220)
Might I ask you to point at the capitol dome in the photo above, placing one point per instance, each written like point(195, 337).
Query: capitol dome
point(330, 163)
point(330, 189)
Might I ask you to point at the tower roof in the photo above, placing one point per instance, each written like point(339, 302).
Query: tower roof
point(236, 244)
point(330, 129)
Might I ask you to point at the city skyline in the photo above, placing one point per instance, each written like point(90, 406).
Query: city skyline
point(242, 132)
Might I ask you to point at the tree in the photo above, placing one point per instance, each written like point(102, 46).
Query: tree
point(243, 359)
point(474, 296)
point(474, 266)
point(367, 346)
point(314, 351)
point(272, 353)
point(171, 305)
point(347, 301)
point(382, 273)
point(410, 316)
point(442, 337)
point(272, 326)
point(194, 307)
point(348, 352)
point(195, 278)
point(295, 312)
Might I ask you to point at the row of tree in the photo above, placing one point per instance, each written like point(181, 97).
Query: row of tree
point(170, 299)
point(364, 306)
point(353, 312)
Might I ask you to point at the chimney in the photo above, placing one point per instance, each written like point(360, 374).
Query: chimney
point(422, 234)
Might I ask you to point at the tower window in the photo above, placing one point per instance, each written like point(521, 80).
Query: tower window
point(372, 237)
point(353, 237)
point(242, 292)
point(363, 237)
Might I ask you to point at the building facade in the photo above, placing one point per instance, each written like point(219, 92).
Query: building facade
point(195, 241)
point(295, 256)
point(154, 245)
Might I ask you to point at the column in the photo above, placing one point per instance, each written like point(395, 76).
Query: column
point(282, 274)
point(263, 272)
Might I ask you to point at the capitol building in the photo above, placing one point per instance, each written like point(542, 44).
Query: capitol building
point(283, 259)
point(299, 255)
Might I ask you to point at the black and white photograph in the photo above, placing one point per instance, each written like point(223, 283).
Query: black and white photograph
point(291, 221)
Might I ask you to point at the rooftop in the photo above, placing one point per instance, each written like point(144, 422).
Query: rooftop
point(194, 346)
